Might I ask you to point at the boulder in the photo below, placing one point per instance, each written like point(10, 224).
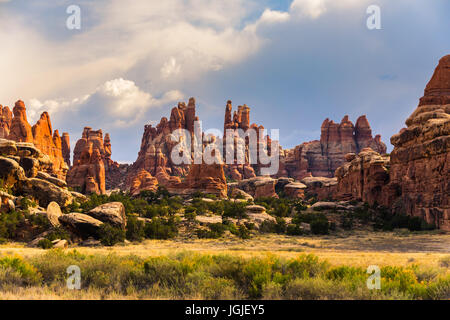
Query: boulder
point(81, 224)
point(45, 176)
point(7, 147)
point(10, 172)
point(53, 213)
point(45, 192)
point(295, 190)
point(238, 193)
point(112, 213)
point(60, 244)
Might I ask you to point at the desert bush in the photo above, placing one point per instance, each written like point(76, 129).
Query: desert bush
point(20, 270)
point(45, 244)
point(110, 235)
point(10, 223)
point(161, 228)
point(188, 275)
point(216, 230)
point(135, 229)
point(234, 210)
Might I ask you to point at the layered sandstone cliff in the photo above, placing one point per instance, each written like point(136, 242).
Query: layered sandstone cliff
point(415, 180)
point(420, 160)
point(322, 158)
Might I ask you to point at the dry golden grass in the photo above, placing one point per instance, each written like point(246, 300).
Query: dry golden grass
point(359, 249)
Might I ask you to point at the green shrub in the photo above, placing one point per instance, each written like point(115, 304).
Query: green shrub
point(161, 228)
point(110, 235)
point(320, 227)
point(234, 210)
point(45, 244)
point(293, 230)
point(9, 224)
point(135, 229)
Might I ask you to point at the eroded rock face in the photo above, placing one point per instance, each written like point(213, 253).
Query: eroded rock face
point(20, 130)
point(261, 186)
point(41, 135)
point(154, 158)
point(143, 181)
point(363, 177)
point(322, 158)
point(20, 171)
point(207, 178)
point(93, 171)
point(5, 121)
point(65, 145)
point(322, 188)
point(88, 172)
point(420, 160)
point(49, 142)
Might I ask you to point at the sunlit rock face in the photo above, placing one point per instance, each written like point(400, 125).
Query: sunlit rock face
point(420, 160)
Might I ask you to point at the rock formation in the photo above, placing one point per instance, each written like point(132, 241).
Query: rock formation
point(156, 145)
point(154, 158)
point(420, 160)
point(5, 121)
point(415, 180)
point(322, 158)
point(93, 170)
point(65, 144)
point(21, 171)
point(20, 130)
point(88, 171)
point(363, 177)
point(50, 143)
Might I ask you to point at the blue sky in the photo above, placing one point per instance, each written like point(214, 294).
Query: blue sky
point(294, 63)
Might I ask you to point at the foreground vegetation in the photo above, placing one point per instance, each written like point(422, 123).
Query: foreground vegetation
point(189, 275)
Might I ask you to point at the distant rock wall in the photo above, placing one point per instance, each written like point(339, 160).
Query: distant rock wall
point(322, 158)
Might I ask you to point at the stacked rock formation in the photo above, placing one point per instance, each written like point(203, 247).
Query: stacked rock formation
point(322, 158)
point(5, 121)
point(50, 143)
point(154, 158)
point(420, 160)
point(20, 130)
point(88, 171)
point(22, 170)
point(239, 122)
point(41, 135)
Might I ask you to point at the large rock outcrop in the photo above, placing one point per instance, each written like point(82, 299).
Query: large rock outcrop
point(156, 146)
point(41, 135)
point(420, 160)
point(415, 179)
point(322, 158)
point(22, 171)
point(50, 143)
point(93, 171)
point(20, 130)
point(363, 177)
